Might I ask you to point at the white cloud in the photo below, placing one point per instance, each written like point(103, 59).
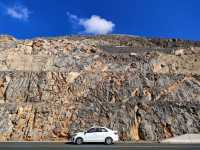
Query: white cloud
point(18, 12)
point(72, 17)
point(97, 25)
point(93, 25)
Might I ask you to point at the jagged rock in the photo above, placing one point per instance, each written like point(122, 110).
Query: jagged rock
point(147, 89)
point(6, 39)
point(146, 131)
point(179, 52)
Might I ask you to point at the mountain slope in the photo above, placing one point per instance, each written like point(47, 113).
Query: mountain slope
point(147, 89)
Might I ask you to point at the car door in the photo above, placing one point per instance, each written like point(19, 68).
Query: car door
point(90, 135)
point(101, 134)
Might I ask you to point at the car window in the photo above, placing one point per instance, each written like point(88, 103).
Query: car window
point(102, 130)
point(98, 129)
point(92, 130)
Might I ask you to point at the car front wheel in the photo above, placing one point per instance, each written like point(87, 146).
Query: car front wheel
point(79, 141)
point(108, 141)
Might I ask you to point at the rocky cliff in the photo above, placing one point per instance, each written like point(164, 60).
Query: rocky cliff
point(147, 89)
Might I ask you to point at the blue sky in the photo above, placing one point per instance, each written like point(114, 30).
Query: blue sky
point(152, 18)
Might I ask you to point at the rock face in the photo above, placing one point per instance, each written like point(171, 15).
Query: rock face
point(147, 89)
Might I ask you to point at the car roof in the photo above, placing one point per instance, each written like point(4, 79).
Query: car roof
point(100, 127)
point(97, 127)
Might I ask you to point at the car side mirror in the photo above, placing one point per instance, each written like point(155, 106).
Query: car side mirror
point(85, 132)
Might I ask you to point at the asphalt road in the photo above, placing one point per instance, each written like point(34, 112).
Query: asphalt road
point(62, 146)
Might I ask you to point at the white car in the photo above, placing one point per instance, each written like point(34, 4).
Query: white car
point(96, 134)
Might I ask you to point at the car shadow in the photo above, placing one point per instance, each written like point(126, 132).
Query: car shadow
point(87, 143)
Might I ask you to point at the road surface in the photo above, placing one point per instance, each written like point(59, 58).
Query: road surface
point(62, 146)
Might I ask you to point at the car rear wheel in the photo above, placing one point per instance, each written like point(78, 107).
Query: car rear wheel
point(79, 141)
point(108, 140)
